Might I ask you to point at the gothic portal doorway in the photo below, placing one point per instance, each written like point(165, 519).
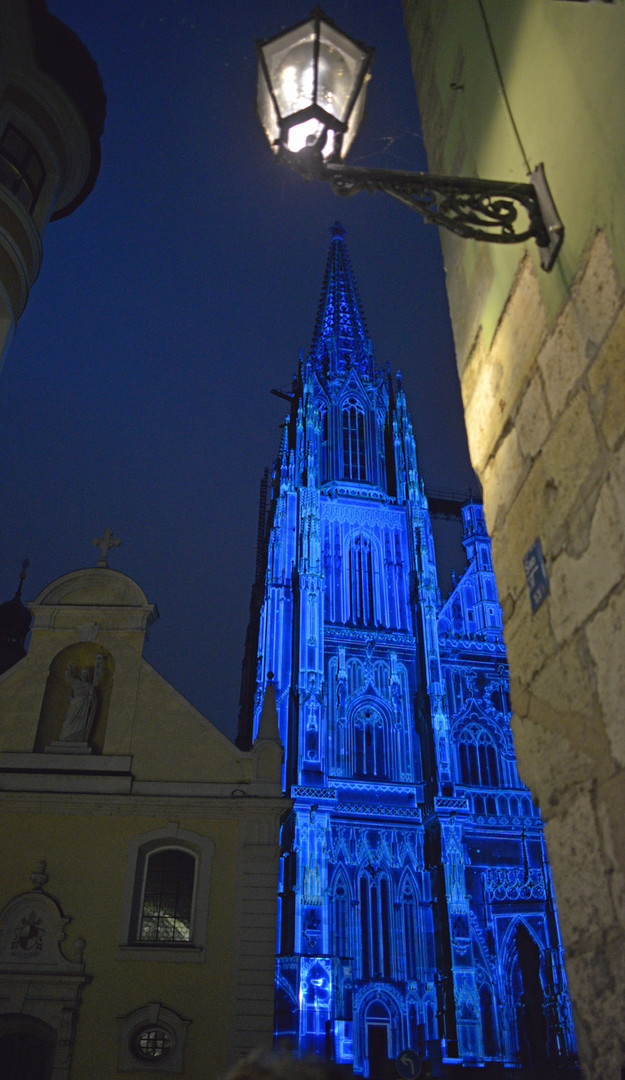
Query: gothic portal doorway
point(377, 1026)
point(377, 1046)
point(532, 1027)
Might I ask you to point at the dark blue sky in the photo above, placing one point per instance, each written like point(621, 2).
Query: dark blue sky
point(136, 392)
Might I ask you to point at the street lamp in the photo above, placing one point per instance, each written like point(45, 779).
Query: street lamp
point(312, 84)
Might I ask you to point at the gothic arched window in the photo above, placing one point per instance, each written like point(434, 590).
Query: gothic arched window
point(340, 919)
point(354, 460)
point(375, 927)
point(365, 930)
point(323, 442)
point(410, 930)
point(479, 760)
point(362, 596)
point(370, 743)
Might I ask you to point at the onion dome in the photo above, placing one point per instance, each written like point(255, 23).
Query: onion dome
point(15, 620)
point(62, 55)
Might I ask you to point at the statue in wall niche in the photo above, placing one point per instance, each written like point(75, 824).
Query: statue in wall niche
point(83, 702)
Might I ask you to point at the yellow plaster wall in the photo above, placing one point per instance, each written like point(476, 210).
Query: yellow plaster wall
point(171, 740)
point(564, 77)
point(85, 849)
point(183, 771)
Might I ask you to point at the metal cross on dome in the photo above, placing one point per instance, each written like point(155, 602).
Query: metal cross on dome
point(105, 543)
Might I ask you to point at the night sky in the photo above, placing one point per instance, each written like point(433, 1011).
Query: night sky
point(136, 394)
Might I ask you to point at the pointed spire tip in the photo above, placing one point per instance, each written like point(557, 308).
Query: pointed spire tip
point(340, 338)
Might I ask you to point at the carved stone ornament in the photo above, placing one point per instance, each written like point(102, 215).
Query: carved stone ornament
point(32, 927)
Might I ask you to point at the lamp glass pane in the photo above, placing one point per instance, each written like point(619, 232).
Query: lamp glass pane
point(290, 63)
point(267, 110)
point(355, 118)
point(303, 107)
point(340, 61)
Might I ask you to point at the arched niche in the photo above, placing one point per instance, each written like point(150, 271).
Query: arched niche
point(82, 655)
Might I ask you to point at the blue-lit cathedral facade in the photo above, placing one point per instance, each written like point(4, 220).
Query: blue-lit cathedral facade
point(416, 904)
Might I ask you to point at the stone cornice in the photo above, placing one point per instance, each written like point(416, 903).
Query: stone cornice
point(80, 803)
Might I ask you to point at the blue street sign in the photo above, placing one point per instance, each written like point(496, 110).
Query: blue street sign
point(536, 575)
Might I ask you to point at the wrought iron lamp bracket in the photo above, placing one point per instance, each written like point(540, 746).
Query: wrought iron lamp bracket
point(473, 208)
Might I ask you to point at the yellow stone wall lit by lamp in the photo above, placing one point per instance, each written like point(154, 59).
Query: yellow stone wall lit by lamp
point(540, 360)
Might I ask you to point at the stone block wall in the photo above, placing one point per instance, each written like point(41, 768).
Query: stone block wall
point(545, 414)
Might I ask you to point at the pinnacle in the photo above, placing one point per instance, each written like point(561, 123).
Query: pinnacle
point(340, 338)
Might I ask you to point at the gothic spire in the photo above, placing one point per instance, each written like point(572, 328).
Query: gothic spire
point(340, 338)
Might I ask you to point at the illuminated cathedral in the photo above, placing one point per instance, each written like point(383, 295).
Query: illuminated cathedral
point(416, 909)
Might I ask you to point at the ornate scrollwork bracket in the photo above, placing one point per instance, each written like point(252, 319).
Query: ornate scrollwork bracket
point(496, 211)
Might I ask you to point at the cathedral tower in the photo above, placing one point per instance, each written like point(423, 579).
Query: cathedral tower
point(416, 909)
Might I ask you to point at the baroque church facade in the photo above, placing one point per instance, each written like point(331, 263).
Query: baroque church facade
point(139, 852)
point(416, 908)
